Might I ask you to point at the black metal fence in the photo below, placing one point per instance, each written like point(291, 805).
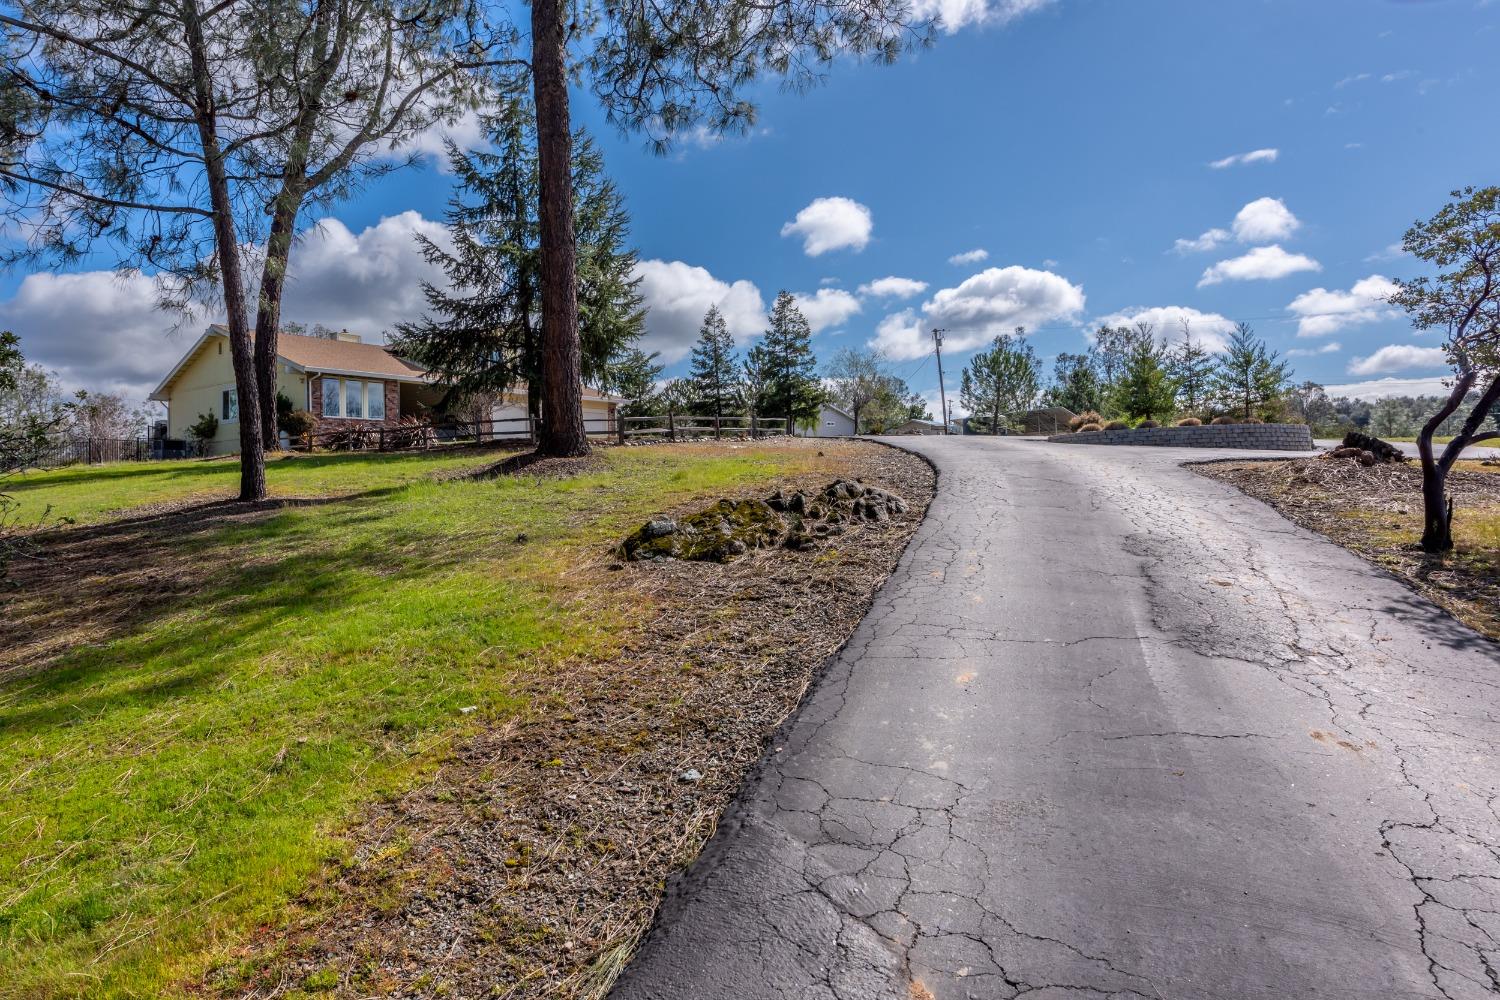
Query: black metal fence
point(55, 454)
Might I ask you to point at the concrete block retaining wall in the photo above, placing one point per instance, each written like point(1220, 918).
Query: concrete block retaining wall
point(1256, 437)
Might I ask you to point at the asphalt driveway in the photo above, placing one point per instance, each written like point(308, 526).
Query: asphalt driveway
point(1113, 730)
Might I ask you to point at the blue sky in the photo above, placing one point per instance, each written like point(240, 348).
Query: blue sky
point(1074, 141)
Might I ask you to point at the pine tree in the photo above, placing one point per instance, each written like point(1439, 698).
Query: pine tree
point(1002, 380)
point(1144, 389)
point(633, 373)
point(784, 362)
point(713, 370)
point(482, 333)
point(1075, 384)
point(1249, 375)
point(1191, 367)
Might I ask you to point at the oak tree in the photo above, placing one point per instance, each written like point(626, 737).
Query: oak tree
point(1463, 299)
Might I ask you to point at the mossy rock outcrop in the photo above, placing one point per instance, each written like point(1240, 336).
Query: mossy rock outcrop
point(730, 528)
point(727, 529)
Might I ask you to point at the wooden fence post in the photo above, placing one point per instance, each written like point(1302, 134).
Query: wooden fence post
point(620, 424)
point(671, 426)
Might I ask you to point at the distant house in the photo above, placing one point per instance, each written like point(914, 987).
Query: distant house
point(340, 380)
point(915, 426)
point(832, 422)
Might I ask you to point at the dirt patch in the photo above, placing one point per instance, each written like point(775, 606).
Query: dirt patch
point(1376, 512)
point(529, 463)
point(533, 862)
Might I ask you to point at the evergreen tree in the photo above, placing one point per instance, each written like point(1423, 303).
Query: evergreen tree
point(633, 373)
point(784, 363)
point(482, 334)
point(1144, 389)
point(1191, 367)
point(1075, 384)
point(713, 370)
point(1002, 380)
point(1112, 347)
point(1249, 376)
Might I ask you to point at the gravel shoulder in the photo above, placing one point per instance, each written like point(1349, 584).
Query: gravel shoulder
point(532, 863)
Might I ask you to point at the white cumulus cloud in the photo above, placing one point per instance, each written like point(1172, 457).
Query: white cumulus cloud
point(1210, 240)
point(954, 15)
point(970, 256)
point(365, 282)
point(1264, 220)
point(98, 330)
point(827, 307)
point(831, 224)
point(1209, 330)
point(1244, 159)
point(993, 301)
point(678, 294)
point(1332, 347)
point(1384, 388)
point(1322, 311)
point(1399, 358)
point(1260, 264)
point(893, 288)
point(101, 330)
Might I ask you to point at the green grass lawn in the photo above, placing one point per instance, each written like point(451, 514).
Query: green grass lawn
point(184, 763)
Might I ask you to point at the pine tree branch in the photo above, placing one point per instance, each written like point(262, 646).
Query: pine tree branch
point(98, 199)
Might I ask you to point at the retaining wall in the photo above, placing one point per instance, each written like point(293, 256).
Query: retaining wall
point(1256, 437)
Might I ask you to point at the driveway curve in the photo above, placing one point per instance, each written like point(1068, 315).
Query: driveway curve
point(1112, 729)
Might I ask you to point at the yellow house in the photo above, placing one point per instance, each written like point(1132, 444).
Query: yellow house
point(340, 380)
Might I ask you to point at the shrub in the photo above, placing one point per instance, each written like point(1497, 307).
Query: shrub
point(1086, 417)
point(1091, 426)
point(1148, 423)
point(204, 429)
point(1189, 422)
point(1253, 420)
point(1117, 425)
point(1219, 421)
point(298, 424)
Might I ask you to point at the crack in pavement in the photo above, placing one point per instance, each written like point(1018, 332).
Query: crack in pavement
point(1112, 730)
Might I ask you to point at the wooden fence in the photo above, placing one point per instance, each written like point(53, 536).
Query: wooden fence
point(402, 437)
point(682, 425)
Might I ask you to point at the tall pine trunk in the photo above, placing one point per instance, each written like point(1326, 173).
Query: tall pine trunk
point(268, 312)
point(226, 243)
point(563, 432)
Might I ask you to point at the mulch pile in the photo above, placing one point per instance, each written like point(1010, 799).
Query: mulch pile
point(1344, 500)
point(533, 862)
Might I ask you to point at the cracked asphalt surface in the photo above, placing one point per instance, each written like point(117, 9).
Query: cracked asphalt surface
point(1112, 729)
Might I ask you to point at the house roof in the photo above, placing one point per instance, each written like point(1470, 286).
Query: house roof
point(325, 356)
point(839, 410)
point(319, 354)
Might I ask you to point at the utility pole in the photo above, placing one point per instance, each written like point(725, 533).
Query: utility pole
point(937, 346)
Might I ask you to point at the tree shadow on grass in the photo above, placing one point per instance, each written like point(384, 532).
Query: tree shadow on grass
point(250, 564)
point(199, 468)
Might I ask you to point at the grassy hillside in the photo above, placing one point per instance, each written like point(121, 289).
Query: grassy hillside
point(198, 699)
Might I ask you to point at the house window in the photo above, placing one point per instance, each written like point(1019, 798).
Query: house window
point(353, 400)
point(229, 405)
point(354, 394)
point(375, 400)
